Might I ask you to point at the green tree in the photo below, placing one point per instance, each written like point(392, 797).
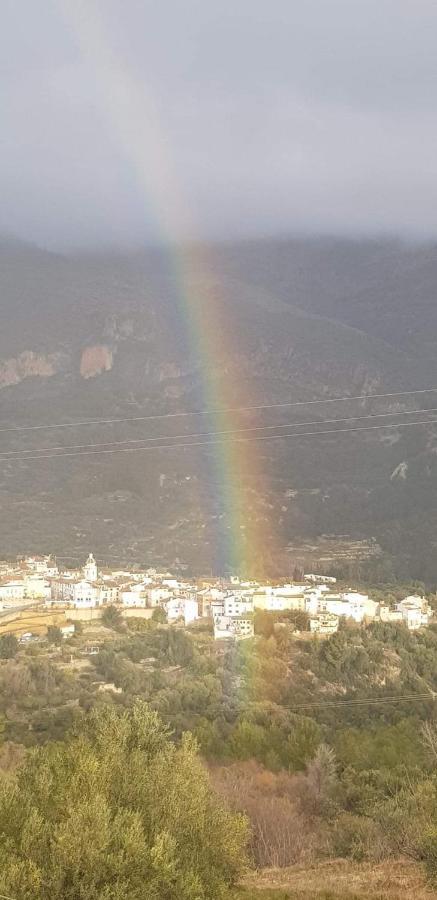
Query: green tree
point(248, 741)
point(117, 811)
point(302, 743)
point(8, 646)
point(54, 635)
point(159, 616)
point(111, 617)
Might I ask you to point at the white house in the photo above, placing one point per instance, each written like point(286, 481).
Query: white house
point(206, 597)
point(42, 565)
point(233, 627)
point(12, 590)
point(36, 587)
point(191, 610)
point(67, 631)
point(415, 611)
point(181, 608)
point(289, 590)
point(361, 605)
point(85, 595)
point(312, 599)
point(156, 594)
point(234, 605)
point(324, 623)
point(132, 598)
point(390, 615)
point(174, 607)
point(274, 602)
point(350, 604)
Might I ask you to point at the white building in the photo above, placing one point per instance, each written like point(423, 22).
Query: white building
point(235, 605)
point(233, 627)
point(67, 631)
point(191, 610)
point(132, 598)
point(324, 623)
point(390, 615)
point(156, 594)
point(415, 612)
point(276, 602)
point(36, 587)
point(42, 565)
point(312, 599)
point(90, 571)
point(350, 604)
point(83, 594)
point(12, 590)
point(181, 608)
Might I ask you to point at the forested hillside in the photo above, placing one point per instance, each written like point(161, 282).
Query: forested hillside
point(326, 748)
point(105, 336)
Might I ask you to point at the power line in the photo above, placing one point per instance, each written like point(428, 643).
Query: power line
point(269, 437)
point(347, 704)
point(215, 411)
point(186, 436)
point(336, 704)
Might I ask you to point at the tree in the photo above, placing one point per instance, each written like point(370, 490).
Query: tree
point(54, 635)
point(8, 646)
point(159, 616)
point(111, 617)
point(117, 811)
point(248, 740)
point(302, 743)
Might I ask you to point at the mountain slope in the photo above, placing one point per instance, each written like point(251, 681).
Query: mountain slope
point(101, 336)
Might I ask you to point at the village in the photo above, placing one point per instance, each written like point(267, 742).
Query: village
point(36, 592)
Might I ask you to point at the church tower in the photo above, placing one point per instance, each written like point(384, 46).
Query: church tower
point(90, 569)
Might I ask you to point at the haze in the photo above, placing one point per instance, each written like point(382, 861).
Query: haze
point(248, 117)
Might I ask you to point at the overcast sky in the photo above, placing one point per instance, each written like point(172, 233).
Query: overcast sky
point(126, 120)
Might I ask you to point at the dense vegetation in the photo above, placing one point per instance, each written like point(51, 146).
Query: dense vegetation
point(283, 722)
point(116, 811)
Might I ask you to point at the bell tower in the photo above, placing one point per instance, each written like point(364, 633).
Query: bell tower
point(90, 569)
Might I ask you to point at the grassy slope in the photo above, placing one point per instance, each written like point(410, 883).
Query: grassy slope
point(339, 880)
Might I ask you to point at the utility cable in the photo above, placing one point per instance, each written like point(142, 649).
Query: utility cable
point(217, 411)
point(186, 436)
point(336, 704)
point(269, 437)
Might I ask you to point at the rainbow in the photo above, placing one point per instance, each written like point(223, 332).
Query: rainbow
point(134, 123)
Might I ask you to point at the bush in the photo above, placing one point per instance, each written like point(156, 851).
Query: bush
point(358, 837)
point(54, 635)
point(8, 646)
point(112, 618)
point(159, 616)
point(117, 811)
point(428, 849)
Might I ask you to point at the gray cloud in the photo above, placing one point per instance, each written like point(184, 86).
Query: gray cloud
point(288, 115)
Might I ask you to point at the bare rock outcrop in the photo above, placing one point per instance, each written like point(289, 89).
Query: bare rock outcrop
point(28, 365)
point(95, 360)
